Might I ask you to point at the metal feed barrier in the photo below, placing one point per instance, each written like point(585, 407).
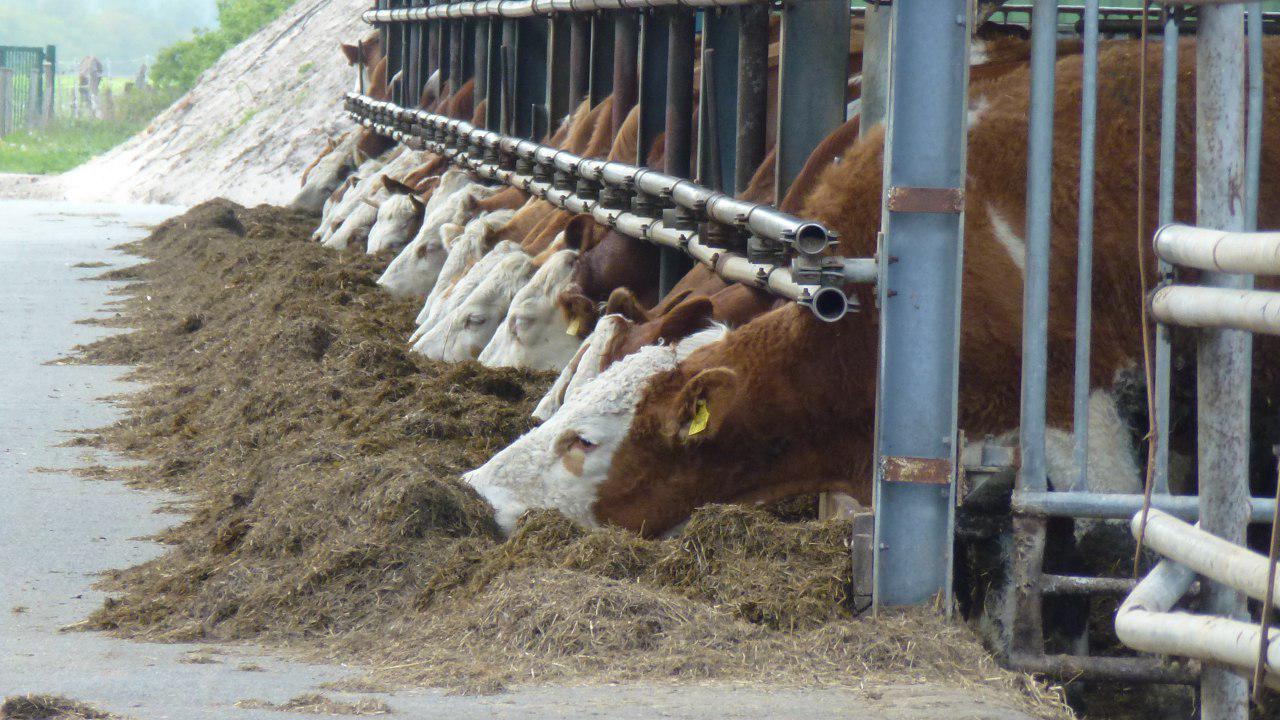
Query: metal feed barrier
point(535, 60)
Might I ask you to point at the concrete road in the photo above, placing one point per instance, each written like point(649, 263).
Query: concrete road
point(57, 532)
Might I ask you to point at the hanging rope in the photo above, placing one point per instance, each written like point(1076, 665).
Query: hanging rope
point(1147, 360)
point(1267, 604)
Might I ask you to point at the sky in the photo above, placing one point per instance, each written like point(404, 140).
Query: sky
point(121, 33)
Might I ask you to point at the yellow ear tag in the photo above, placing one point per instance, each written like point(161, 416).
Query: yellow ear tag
point(700, 418)
point(575, 326)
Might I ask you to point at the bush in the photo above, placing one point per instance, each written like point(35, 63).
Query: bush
point(179, 65)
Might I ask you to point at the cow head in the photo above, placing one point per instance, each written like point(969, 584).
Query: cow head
point(415, 269)
point(399, 217)
point(443, 303)
point(535, 333)
point(584, 367)
point(325, 174)
point(469, 327)
point(564, 462)
point(477, 240)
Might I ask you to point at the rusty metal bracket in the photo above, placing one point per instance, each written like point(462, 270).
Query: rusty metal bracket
point(927, 471)
point(926, 200)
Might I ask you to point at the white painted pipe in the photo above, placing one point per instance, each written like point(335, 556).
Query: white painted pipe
point(1250, 310)
point(1205, 553)
point(1256, 253)
point(1144, 623)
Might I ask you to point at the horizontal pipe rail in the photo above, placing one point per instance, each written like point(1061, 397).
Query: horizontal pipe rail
point(1145, 620)
point(532, 8)
point(1216, 307)
point(1205, 553)
point(545, 171)
point(1111, 669)
point(1106, 506)
point(1083, 585)
point(1255, 253)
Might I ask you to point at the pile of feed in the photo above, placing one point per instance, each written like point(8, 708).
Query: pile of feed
point(49, 707)
point(322, 462)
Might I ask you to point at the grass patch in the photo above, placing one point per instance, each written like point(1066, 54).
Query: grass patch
point(62, 146)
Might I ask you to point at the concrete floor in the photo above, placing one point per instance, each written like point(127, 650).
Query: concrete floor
point(58, 532)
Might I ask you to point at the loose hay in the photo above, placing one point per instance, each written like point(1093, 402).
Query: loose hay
point(315, 704)
point(324, 459)
point(49, 707)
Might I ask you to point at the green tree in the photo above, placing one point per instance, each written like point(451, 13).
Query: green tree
point(180, 64)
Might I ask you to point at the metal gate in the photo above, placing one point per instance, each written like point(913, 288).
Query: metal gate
point(27, 83)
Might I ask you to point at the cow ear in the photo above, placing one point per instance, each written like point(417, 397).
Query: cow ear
point(704, 403)
point(579, 312)
point(352, 53)
point(449, 232)
point(418, 204)
point(395, 187)
point(683, 320)
point(625, 303)
point(580, 233)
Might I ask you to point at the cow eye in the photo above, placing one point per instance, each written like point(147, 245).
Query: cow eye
point(474, 321)
point(571, 440)
point(520, 325)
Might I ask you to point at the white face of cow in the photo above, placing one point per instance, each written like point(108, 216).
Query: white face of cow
point(535, 331)
point(355, 229)
point(583, 367)
point(414, 270)
point(460, 291)
point(472, 245)
point(471, 325)
point(327, 174)
point(368, 181)
point(399, 218)
point(562, 463)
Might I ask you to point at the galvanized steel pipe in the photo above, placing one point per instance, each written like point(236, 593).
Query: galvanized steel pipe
point(531, 8)
point(453, 138)
point(1219, 250)
point(1215, 307)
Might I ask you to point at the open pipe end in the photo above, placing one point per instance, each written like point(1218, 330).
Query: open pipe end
point(829, 304)
point(811, 238)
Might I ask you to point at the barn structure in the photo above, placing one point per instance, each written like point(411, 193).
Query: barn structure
point(699, 69)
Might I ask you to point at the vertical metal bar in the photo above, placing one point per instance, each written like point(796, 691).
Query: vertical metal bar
point(456, 50)
point(1035, 314)
point(601, 77)
point(812, 81)
point(506, 77)
point(919, 295)
point(873, 100)
point(1027, 636)
point(1168, 158)
point(626, 44)
point(481, 67)
point(494, 89)
point(445, 50)
point(1224, 357)
point(559, 91)
point(653, 80)
point(1253, 141)
point(717, 127)
point(1084, 257)
point(413, 81)
point(753, 92)
point(530, 66)
point(466, 28)
point(579, 59)
point(674, 264)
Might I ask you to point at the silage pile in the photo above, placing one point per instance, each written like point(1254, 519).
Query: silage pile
point(322, 463)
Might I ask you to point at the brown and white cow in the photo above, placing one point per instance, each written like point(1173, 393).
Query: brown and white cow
point(785, 405)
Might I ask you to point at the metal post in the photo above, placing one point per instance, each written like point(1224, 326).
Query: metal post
point(1084, 255)
point(626, 43)
point(1253, 143)
point(674, 264)
point(873, 100)
point(1168, 148)
point(601, 77)
point(493, 69)
point(51, 58)
point(48, 92)
point(579, 59)
point(753, 91)
point(1224, 357)
point(457, 56)
point(812, 81)
point(653, 80)
point(1029, 532)
point(717, 127)
point(33, 97)
point(560, 102)
point(919, 293)
point(530, 66)
point(480, 67)
point(6, 101)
